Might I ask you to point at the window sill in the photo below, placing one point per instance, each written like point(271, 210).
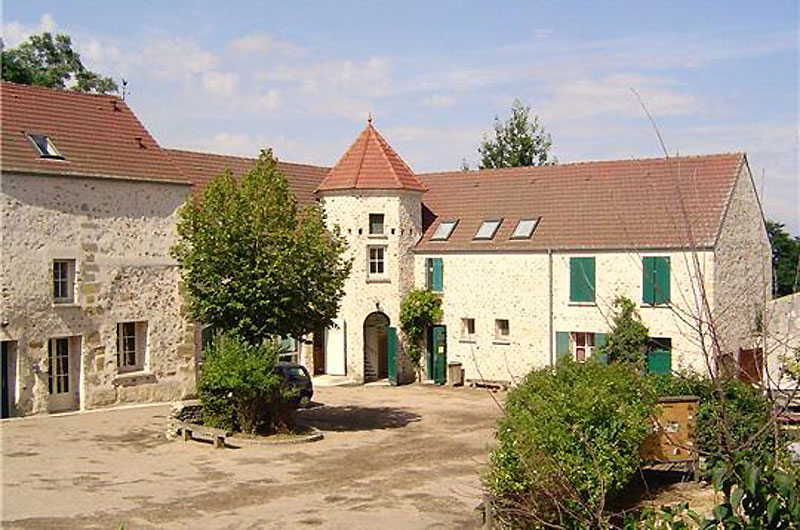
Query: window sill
point(582, 304)
point(378, 280)
point(467, 341)
point(64, 305)
point(503, 342)
point(656, 306)
point(134, 377)
point(377, 236)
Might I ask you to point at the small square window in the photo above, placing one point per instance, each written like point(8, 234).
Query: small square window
point(63, 281)
point(501, 328)
point(525, 228)
point(444, 230)
point(131, 346)
point(377, 265)
point(45, 146)
point(376, 224)
point(582, 346)
point(468, 328)
point(488, 229)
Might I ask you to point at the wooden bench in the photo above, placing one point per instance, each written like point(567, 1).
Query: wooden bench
point(193, 431)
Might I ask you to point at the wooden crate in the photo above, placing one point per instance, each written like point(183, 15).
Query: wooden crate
point(672, 436)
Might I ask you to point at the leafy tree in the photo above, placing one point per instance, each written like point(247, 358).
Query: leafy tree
point(51, 62)
point(785, 259)
point(627, 342)
point(519, 141)
point(253, 264)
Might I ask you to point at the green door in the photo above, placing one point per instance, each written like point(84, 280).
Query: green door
point(391, 354)
point(439, 350)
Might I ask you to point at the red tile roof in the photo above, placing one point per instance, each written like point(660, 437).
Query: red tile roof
point(200, 168)
point(371, 163)
point(98, 135)
point(650, 203)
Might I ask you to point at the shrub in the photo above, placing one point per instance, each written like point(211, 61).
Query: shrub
point(420, 309)
point(746, 411)
point(240, 389)
point(568, 443)
point(627, 341)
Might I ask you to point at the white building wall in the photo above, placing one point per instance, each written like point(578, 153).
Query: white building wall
point(119, 233)
point(516, 286)
point(364, 294)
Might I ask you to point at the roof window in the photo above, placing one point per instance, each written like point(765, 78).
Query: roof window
point(45, 146)
point(488, 229)
point(444, 230)
point(525, 228)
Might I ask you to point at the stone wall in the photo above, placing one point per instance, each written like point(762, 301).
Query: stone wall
point(743, 269)
point(364, 294)
point(782, 324)
point(516, 286)
point(119, 233)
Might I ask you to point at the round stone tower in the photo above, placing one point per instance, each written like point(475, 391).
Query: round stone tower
point(376, 200)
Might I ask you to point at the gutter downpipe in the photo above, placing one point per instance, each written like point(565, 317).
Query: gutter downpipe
point(550, 306)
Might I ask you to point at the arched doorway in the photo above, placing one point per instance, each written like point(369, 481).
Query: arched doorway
point(376, 359)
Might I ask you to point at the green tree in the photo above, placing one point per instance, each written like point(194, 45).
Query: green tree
point(51, 62)
point(519, 141)
point(253, 263)
point(785, 259)
point(628, 339)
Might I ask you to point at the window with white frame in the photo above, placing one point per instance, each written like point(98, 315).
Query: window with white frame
point(582, 346)
point(443, 231)
point(502, 329)
point(377, 261)
point(468, 328)
point(131, 346)
point(289, 350)
point(63, 281)
point(525, 228)
point(45, 146)
point(488, 229)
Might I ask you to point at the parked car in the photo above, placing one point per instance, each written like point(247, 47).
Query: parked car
point(296, 376)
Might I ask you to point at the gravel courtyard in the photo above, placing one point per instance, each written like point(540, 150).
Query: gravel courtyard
point(407, 457)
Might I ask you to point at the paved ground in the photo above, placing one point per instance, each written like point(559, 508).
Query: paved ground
point(406, 457)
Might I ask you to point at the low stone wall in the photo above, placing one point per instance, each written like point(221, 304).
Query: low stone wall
point(189, 411)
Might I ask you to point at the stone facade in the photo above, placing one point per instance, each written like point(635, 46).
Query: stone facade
point(116, 234)
point(371, 293)
point(782, 324)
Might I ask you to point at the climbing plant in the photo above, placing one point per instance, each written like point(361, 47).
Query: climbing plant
point(420, 309)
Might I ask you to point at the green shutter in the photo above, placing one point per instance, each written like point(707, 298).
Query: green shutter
point(655, 280)
point(659, 362)
point(599, 341)
point(437, 275)
point(562, 345)
point(391, 354)
point(581, 279)
point(662, 294)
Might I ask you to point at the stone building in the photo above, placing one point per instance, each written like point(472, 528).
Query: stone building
point(91, 311)
point(527, 261)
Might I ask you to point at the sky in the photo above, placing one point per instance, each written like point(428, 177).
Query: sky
point(302, 77)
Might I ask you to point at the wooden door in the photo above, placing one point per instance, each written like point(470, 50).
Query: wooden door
point(750, 362)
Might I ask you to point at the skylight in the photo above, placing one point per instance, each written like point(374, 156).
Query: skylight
point(525, 228)
point(444, 230)
point(45, 146)
point(488, 229)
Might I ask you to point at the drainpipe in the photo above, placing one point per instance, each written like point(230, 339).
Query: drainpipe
point(550, 305)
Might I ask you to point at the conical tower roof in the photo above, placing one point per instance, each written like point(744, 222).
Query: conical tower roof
point(371, 164)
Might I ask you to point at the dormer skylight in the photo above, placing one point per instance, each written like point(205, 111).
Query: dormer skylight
point(444, 230)
point(525, 228)
point(488, 229)
point(44, 145)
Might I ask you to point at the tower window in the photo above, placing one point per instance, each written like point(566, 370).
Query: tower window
point(376, 224)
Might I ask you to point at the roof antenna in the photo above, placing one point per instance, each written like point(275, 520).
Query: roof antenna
point(124, 88)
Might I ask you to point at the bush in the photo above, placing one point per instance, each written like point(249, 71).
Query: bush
point(568, 443)
point(240, 389)
point(745, 407)
point(420, 308)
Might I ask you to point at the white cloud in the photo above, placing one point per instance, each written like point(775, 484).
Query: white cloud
point(264, 43)
point(439, 100)
point(174, 57)
point(221, 83)
point(14, 32)
point(270, 100)
point(612, 95)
